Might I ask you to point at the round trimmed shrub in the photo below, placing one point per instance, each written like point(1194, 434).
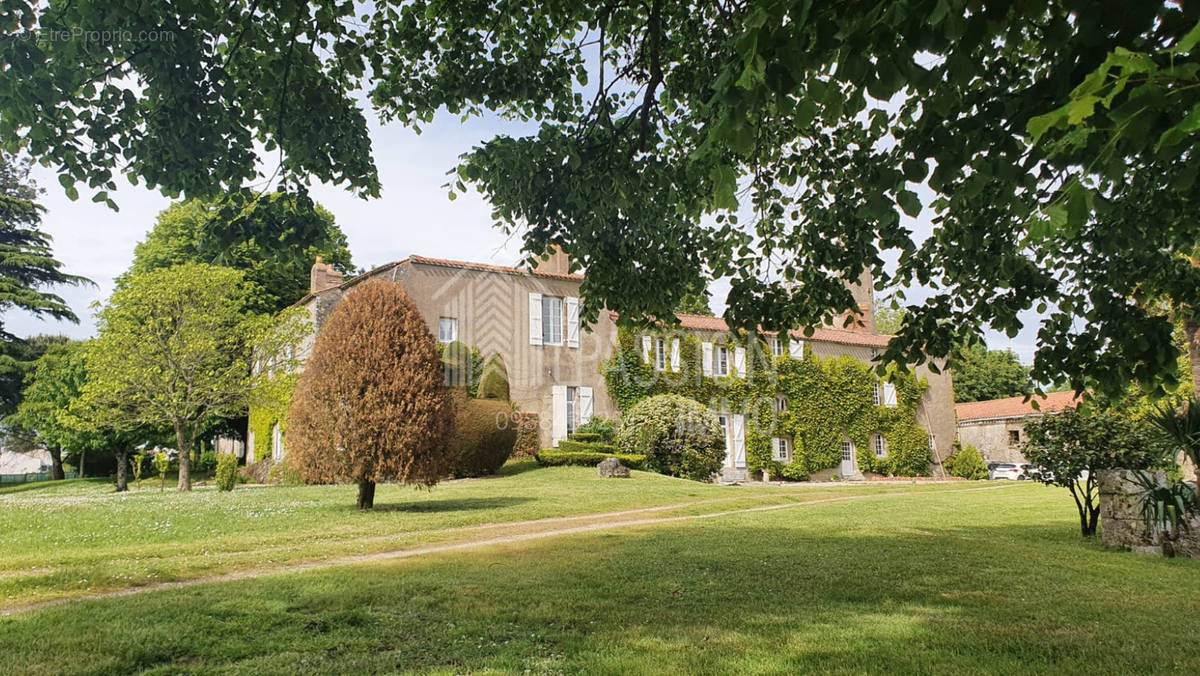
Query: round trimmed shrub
point(678, 436)
point(484, 436)
point(967, 464)
point(493, 384)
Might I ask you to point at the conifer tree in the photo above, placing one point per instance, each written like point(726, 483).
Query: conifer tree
point(372, 404)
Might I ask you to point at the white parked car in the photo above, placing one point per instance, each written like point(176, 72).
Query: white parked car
point(1005, 470)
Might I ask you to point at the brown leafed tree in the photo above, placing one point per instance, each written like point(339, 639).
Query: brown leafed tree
point(372, 404)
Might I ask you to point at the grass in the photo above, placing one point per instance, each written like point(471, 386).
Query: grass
point(69, 538)
point(934, 581)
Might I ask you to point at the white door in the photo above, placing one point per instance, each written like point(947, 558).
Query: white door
point(739, 441)
point(724, 420)
point(847, 458)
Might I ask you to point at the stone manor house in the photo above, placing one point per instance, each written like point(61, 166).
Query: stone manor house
point(530, 318)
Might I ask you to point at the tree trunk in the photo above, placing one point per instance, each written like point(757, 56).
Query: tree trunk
point(366, 494)
point(1192, 328)
point(82, 457)
point(122, 471)
point(184, 446)
point(56, 471)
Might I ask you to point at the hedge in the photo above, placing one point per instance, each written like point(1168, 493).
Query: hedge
point(580, 446)
point(551, 457)
point(589, 437)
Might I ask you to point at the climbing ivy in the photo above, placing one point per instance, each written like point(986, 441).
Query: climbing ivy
point(827, 400)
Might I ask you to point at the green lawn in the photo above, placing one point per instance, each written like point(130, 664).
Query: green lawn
point(78, 537)
point(933, 581)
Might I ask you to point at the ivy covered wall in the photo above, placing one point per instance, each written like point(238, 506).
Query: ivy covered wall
point(827, 400)
point(269, 406)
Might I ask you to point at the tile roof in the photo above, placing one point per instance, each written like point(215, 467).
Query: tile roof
point(484, 267)
point(1016, 407)
point(441, 262)
point(825, 335)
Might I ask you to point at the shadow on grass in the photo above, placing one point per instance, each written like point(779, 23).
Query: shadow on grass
point(767, 595)
point(450, 505)
point(54, 486)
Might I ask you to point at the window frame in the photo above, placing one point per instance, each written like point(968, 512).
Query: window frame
point(720, 358)
point(877, 394)
point(783, 450)
point(453, 323)
point(660, 354)
point(781, 403)
point(880, 446)
point(848, 449)
point(548, 320)
point(776, 346)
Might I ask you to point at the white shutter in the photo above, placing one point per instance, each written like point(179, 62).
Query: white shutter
point(706, 357)
point(774, 447)
point(739, 441)
point(675, 354)
point(646, 349)
point(889, 395)
point(585, 405)
point(739, 361)
point(572, 321)
point(558, 410)
point(796, 348)
point(535, 319)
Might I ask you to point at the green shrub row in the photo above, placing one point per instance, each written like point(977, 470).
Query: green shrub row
point(580, 446)
point(551, 457)
point(588, 437)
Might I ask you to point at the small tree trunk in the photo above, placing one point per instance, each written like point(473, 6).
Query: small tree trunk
point(366, 494)
point(184, 447)
point(122, 471)
point(56, 468)
point(1192, 329)
point(82, 457)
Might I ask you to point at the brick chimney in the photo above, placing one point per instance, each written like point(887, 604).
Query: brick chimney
point(323, 276)
point(554, 261)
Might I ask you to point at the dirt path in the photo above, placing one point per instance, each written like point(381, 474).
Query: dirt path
point(599, 522)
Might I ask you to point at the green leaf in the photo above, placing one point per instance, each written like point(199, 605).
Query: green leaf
point(724, 180)
point(908, 201)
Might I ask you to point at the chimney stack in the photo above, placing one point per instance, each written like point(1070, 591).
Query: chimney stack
point(554, 261)
point(323, 276)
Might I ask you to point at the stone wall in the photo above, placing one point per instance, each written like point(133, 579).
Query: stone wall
point(1121, 522)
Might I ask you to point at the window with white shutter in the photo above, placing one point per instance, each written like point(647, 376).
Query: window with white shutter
point(706, 358)
point(572, 305)
point(796, 348)
point(739, 361)
point(781, 450)
point(721, 361)
point(646, 347)
point(675, 354)
point(558, 412)
point(585, 405)
point(889, 395)
point(535, 319)
point(660, 355)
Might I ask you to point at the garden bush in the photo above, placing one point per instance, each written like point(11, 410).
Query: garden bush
point(586, 447)
point(678, 436)
point(552, 457)
point(586, 437)
point(528, 434)
point(967, 463)
point(207, 462)
point(604, 429)
point(227, 471)
point(493, 384)
point(484, 436)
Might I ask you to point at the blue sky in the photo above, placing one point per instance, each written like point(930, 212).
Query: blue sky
point(413, 215)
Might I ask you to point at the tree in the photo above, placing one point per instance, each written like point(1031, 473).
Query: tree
point(174, 348)
point(17, 359)
point(371, 404)
point(694, 303)
point(1181, 429)
point(273, 240)
point(679, 436)
point(889, 316)
point(981, 374)
point(660, 124)
point(54, 384)
point(26, 263)
point(1068, 448)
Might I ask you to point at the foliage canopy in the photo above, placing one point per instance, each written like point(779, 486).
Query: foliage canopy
point(371, 404)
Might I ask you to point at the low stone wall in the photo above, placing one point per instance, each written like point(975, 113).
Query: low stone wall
point(1121, 522)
